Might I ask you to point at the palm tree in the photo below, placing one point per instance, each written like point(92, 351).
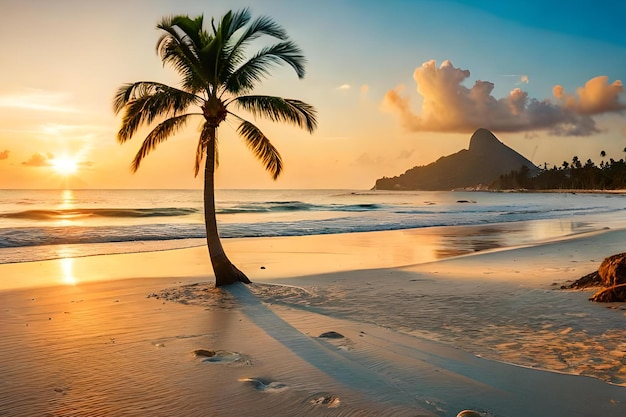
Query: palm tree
point(216, 76)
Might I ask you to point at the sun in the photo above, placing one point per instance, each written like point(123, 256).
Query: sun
point(64, 165)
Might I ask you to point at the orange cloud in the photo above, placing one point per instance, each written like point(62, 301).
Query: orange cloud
point(4, 154)
point(448, 106)
point(39, 160)
point(596, 97)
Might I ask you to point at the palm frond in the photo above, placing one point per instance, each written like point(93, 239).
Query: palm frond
point(158, 135)
point(234, 50)
point(261, 147)
point(211, 49)
point(179, 46)
point(192, 28)
point(258, 67)
point(143, 102)
point(184, 62)
point(264, 25)
point(232, 22)
point(279, 109)
point(132, 91)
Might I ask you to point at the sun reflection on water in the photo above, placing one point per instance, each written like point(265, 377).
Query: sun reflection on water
point(66, 215)
point(67, 199)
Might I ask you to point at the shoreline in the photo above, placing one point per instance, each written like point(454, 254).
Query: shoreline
point(512, 190)
point(568, 191)
point(508, 234)
point(264, 257)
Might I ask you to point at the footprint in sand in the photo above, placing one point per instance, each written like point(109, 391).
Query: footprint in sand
point(337, 339)
point(264, 385)
point(331, 335)
point(325, 399)
point(223, 357)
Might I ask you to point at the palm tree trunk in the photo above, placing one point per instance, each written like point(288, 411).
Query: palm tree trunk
point(225, 272)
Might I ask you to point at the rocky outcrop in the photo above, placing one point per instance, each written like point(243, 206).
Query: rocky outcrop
point(612, 270)
point(614, 294)
point(591, 280)
point(486, 159)
point(610, 276)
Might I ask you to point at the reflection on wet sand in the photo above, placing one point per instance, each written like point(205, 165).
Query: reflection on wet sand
point(463, 240)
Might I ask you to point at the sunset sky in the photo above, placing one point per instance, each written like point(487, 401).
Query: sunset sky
point(396, 83)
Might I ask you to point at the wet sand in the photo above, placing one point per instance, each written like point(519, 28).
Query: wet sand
point(119, 334)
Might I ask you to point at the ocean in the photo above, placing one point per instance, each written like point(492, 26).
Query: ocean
point(51, 224)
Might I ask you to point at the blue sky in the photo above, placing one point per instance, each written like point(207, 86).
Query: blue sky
point(545, 76)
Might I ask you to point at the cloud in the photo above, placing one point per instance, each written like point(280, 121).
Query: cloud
point(596, 97)
point(39, 159)
point(448, 106)
point(369, 160)
point(32, 99)
point(344, 87)
point(522, 79)
point(4, 154)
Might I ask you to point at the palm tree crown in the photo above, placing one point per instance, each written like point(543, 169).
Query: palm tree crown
point(216, 76)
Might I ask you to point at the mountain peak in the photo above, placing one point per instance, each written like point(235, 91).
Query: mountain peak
point(483, 141)
point(486, 159)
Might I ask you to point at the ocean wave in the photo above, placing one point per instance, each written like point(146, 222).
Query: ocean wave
point(41, 236)
point(375, 219)
point(580, 210)
point(77, 213)
point(57, 235)
point(295, 206)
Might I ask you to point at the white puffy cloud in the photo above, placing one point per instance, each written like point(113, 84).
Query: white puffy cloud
point(449, 106)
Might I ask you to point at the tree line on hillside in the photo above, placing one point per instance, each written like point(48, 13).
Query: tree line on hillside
point(610, 175)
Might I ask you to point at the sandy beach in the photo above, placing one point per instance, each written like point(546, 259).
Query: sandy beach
point(146, 334)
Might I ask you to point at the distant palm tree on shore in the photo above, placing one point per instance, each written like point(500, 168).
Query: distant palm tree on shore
point(216, 75)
